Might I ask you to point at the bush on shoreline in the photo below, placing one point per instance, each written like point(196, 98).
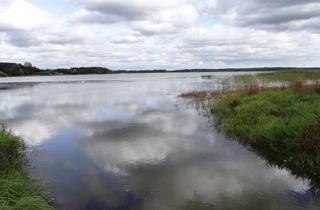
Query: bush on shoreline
point(17, 190)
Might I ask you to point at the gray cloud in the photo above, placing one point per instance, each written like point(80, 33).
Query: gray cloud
point(95, 17)
point(22, 39)
point(148, 17)
point(285, 3)
point(120, 9)
point(5, 28)
point(113, 11)
point(271, 15)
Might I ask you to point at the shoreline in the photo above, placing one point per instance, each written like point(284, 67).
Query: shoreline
point(16, 69)
point(17, 189)
point(281, 124)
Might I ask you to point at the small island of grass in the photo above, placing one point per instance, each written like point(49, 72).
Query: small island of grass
point(277, 114)
point(17, 190)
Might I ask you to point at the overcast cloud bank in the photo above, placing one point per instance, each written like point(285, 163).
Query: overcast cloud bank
point(149, 34)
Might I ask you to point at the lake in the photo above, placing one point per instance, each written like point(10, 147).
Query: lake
point(127, 141)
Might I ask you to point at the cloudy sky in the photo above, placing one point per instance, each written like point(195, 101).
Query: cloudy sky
point(152, 34)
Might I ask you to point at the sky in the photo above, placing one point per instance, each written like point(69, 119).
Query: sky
point(160, 34)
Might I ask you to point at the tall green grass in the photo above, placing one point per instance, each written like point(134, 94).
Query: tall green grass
point(290, 76)
point(282, 76)
point(281, 123)
point(268, 117)
point(17, 190)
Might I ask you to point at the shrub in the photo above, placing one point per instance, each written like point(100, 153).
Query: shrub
point(17, 190)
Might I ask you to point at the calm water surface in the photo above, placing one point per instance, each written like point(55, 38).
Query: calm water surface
point(128, 142)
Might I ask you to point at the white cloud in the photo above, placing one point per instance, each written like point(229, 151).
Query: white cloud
point(168, 21)
point(21, 15)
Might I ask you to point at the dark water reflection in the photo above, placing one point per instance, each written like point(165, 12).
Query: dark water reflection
point(128, 142)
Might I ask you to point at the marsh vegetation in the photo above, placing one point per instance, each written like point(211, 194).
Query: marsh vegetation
point(17, 190)
point(276, 114)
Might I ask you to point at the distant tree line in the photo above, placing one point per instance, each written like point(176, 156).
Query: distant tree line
point(14, 69)
point(84, 70)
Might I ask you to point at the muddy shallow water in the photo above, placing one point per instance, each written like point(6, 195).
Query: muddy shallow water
point(128, 142)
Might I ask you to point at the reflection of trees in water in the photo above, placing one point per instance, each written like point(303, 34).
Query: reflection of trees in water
point(10, 86)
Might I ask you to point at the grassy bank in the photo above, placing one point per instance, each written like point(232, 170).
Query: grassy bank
point(280, 123)
point(284, 76)
point(17, 190)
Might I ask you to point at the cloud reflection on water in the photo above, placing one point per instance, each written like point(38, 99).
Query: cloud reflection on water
point(133, 145)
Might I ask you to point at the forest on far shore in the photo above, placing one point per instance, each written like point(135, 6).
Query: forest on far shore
point(27, 69)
